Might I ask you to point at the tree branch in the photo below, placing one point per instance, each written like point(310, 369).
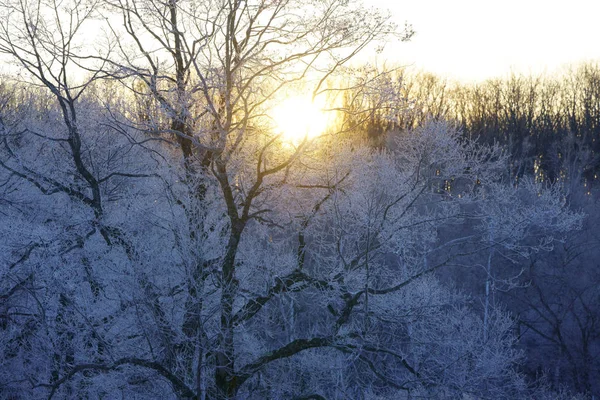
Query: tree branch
point(178, 385)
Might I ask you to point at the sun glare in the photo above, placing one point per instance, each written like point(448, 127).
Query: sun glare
point(298, 117)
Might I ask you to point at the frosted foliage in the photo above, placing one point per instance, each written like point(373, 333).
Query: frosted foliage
point(509, 215)
point(336, 260)
point(164, 242)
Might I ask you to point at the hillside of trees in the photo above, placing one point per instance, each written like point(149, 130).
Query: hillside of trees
point(549, 126)
point(161, 238)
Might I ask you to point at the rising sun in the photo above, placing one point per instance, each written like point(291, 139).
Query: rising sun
point(299, 117)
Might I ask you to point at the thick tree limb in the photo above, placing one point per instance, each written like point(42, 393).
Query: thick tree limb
point(288, 350)
point(293, 282)
point(178, 385)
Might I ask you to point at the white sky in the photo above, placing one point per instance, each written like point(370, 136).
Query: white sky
point(478, 39)
point(472, 40)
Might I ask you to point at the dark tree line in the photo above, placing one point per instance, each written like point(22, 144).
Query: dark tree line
point(550, 124)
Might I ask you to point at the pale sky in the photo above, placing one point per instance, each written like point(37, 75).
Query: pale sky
point(479, 39)
point(472, 40)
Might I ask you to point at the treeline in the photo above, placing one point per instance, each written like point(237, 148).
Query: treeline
point(550, 124)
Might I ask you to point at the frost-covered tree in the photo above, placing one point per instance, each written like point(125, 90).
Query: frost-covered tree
point(517, 221)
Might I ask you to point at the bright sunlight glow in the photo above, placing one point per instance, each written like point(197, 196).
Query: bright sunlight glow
point(298, 117)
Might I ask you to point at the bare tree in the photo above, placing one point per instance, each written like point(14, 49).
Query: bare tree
point(55, 148)
point(214, 68)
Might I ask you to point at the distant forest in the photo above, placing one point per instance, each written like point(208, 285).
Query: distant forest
point(550, 124)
